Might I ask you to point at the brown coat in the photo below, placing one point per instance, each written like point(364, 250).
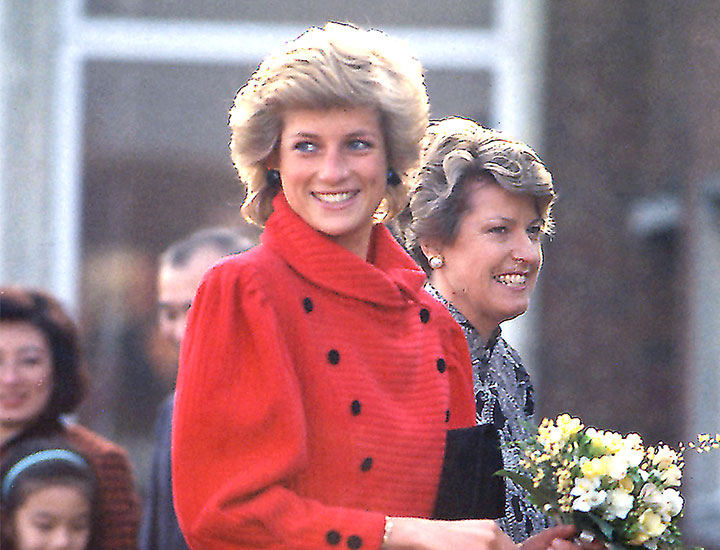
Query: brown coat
point(120, 506)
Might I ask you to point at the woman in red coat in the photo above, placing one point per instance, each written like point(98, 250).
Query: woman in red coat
point(317, 379)
point(40, 380)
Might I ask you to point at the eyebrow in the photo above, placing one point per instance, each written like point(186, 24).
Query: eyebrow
point(32, 347)
point(506, 219)
point(352, 133)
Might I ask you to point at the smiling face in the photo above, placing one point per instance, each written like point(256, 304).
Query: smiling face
point(490, 270)
point(333, 167)
point(56, 517)
point(26, 376)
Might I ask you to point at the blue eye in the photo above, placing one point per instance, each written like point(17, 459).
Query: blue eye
point(304, 146)
point(535, 231)
point(359, 144)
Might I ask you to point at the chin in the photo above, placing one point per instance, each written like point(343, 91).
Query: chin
point(514, 314)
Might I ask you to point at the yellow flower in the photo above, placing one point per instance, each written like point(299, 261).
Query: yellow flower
point(598, 444)
point(595, 467)
point(641, 538)
point(651, 523)
point(550, 433)
point(613, 441)
point(568, 425)
point(626, 484)
point(564, 479)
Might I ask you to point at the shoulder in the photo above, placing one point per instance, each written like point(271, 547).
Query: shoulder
point(249, 270)
point(439, 310)
point(93, 445)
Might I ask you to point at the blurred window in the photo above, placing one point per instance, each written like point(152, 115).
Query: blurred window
point(451, 13)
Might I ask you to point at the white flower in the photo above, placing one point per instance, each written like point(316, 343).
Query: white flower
point(617, 466)
point(671, 476)
point(584, 485)
point(633, 456)
point(664, 456)
point(589, 500)
point(633, 440)
point(673, 502)
point(652, 496)
point(619, 504)
point(666, 504)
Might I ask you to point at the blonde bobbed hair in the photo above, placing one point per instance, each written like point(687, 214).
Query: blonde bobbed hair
point(338, 65)
point(455, 151)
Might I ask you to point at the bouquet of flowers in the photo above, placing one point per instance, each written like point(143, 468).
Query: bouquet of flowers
point(609, 486)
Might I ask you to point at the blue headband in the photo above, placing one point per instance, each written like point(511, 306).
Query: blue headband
point(29, 461)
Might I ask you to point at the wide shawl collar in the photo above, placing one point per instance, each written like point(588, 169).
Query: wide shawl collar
point(383, 280)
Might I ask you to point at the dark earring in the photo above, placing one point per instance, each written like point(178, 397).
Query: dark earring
point(392, 178)
point(273, 178)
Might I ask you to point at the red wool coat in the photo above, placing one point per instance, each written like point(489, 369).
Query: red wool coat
point(314, 393)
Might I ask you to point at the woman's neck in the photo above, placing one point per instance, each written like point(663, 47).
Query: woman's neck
point(484, 326)
point(358, 243)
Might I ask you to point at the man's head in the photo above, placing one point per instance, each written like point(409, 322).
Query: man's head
point(181, 268)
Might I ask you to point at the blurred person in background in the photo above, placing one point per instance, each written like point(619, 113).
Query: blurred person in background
point(479, 210)
point(41, 379)
point(180, 269)
point(118, 327)
point(49, 497)
point(318, 381)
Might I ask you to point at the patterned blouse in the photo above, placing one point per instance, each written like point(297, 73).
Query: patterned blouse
point(504, 398)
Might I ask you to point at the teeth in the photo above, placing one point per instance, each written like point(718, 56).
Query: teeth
point(335, 197)
point(512, 279)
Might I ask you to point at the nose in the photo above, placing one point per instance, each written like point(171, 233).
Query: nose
point(8, 373)
point(61, 539)
point(527, 250)
point(334, 166)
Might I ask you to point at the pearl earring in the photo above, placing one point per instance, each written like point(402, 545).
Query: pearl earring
point(436, 262)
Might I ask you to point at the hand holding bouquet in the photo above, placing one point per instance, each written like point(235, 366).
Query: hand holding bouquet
point(607, 485)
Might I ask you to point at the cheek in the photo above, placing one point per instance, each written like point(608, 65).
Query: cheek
point(44, 389)
point(26, 536)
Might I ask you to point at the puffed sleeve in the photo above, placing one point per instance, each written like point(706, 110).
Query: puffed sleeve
point(239, 431)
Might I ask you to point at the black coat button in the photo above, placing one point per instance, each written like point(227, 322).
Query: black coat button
point(354, 542)
point(447, 415)
point(355, 407)
point(441, 366)
point(333, 357)
point(308, 305)
point(367, 464)
point(333, 538)
point(424, 315)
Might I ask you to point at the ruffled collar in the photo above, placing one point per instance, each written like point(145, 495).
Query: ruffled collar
point(386, 279)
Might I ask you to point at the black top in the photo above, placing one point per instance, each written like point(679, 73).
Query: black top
point(159, 529)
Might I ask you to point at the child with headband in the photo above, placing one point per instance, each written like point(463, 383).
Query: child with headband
point(48, 499)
